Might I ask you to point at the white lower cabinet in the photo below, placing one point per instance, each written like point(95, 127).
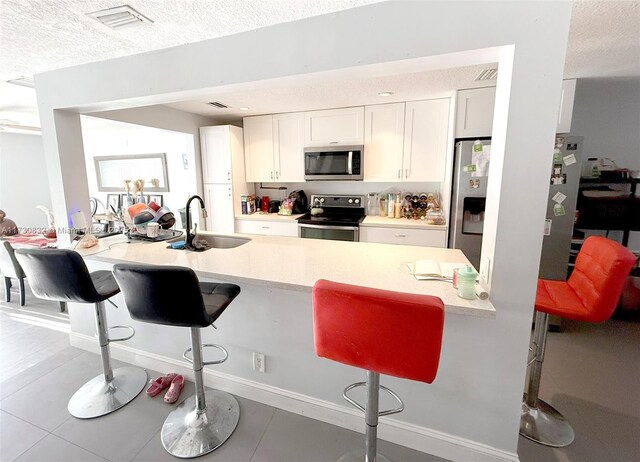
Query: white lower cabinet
point(404, 236)
point(219, 203)
point(269, 228)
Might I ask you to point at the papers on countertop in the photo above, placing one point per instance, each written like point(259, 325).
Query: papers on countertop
point(431, 269)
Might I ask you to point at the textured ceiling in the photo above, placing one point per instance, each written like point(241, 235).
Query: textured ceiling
point(324, 92)
point(41, 35)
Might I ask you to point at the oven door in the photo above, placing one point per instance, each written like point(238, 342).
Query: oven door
point(336, 233)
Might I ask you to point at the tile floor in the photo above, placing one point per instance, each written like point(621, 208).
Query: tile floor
point(591, 373)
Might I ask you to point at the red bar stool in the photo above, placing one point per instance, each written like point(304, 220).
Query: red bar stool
point(348, 323)
point(590, 294)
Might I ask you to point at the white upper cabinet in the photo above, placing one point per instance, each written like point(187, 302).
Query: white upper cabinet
point(258, 148)
point(273, 147)
point(426, 132)
point(383, 142)
point(406, 141)
point(216, 154)
point(334, 127)
point(566, 106)
point(474, 113)
point(288, 147)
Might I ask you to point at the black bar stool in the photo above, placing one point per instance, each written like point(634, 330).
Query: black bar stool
point(61, 275)
point(11, 269)
point(173, 296)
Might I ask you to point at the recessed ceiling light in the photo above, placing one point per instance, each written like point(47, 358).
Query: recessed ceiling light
point(385, 93)
point(120, 16)
point(243, 108)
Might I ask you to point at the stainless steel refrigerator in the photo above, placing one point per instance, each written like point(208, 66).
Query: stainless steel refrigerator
point(561, 207)
point(469, 197)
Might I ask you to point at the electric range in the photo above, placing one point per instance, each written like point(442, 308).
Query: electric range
point(340, 219)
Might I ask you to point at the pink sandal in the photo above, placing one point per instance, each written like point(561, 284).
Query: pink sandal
point(177, 384)
point(159, 384)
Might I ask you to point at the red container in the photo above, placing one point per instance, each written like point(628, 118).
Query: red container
point(264, 205)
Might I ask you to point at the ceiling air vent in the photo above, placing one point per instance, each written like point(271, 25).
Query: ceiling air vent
point(217, 104)
point(487, 74)
point(119, 17)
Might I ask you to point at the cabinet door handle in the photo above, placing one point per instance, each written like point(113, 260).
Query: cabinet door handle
point(406, 173)
point(229, 192)
point(399, 173)
point(277, 174)
point(401, 235)
point(272, 174)
point(333, 142)
point(266, 227)
point(228, 175)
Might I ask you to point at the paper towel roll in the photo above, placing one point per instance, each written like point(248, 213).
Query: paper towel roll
point(481, 293)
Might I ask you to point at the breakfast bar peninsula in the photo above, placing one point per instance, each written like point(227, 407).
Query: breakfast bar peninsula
point(273, 316)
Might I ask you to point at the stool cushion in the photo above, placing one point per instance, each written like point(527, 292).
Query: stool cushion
point(105, 283)
point(61, 275)
point(593, 290)
point(172, 295)
point(382, 331)
point(217, 297)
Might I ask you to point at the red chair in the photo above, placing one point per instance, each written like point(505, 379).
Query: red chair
point(590, 294)
point(382, 332)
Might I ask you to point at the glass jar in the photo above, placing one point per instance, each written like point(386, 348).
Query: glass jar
point(373, 204)
point(435, 217)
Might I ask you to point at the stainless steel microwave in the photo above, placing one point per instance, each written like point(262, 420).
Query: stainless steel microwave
point(333, 163)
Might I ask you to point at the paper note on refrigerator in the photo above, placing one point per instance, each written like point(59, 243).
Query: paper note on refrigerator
point(558, 197)
point(569, 160)
point(481, 160)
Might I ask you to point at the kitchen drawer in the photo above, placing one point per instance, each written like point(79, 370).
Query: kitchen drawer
point(270, 228)
point(405, 236)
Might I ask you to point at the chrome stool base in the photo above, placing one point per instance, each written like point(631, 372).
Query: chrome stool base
point(545, 425)
point(188, 433)
point(359, 456)
point(98, 397)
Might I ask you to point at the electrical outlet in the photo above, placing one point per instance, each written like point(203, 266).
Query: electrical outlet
point(485, 264)
point(258, 362)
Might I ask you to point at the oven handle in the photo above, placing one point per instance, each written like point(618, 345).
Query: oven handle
point(350, 163)
point(346, 228)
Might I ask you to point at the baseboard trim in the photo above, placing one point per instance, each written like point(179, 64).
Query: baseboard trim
point(412, 436)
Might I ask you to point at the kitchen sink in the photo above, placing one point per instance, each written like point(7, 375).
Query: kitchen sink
point(221, 242)
point(213, 241)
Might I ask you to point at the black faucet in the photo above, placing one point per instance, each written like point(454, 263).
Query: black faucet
point(190, 236)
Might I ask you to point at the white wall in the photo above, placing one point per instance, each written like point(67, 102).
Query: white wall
point(110, 138)
point(606, 113)
point(168, 119)
point(478, 395)
point(23, 179)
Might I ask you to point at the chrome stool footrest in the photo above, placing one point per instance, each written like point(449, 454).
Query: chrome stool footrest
point(122, 339)
point(382, 387)
point(208, 363)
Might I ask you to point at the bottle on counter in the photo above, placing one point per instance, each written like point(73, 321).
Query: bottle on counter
point(383, 206)
point(397, 212)
point(467, 283)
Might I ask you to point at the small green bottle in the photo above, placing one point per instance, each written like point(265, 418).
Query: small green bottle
point(467, 283)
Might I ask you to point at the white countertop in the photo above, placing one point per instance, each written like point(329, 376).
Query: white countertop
point(296, 264)
point(399, 223)
point(258, 216)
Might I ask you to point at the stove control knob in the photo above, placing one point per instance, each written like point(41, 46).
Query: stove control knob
point(322, 199)
point(351, 201)
point(357, 201)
